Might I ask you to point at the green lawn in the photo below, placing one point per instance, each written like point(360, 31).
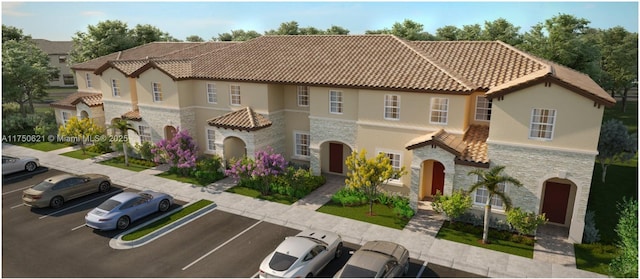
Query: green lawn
point(44, 146)
point(245, 191)
point(383, 215)
point(119, 163)
point(176, 177)
point(504, 246)
point(594, 257)
point(78, 154)
point(166, 220)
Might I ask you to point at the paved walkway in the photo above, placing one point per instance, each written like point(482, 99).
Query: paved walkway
point(553, 256)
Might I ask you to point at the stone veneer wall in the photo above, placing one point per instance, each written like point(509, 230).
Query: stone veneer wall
point(114, 110)
point(158, 117)
point(422, 154)
point(273, 136)
point(325, 129)
point(534, 166)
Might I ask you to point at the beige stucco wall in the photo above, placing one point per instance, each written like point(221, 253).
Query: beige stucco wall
point(290, 99)
point(471, 117)
point(168, 86)
point(123, 81)
point(81, 81)
point(577, 125)
point(319, 97)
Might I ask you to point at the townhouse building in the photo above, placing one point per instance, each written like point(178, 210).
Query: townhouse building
point(439, 109)
point(58, 51)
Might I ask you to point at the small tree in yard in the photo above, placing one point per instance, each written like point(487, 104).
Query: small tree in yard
point(263, 168)
point(80, 130)
point(367, 174)
point(180, 153)
point(626, 264)
point(525, 222)
point(123, 126)
point(615, 145)
point(452, 206)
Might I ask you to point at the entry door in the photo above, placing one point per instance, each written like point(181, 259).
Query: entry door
point(556, 200)
point(335, 157)
point(437, 179)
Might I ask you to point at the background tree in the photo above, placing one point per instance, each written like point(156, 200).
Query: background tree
point(615, 145)
point(80, 130)
point(367, 175)
point(25, 70)
point(448, 33)
point(263, 168)
point(503, 30)
point(408, 29)
point(145, 33)
point(337, 30)
point(286, 28)
point(123, 126)
point(180, 152)
point(194, 38)
point(471, 32)
point(491, 180)
point(619, 63)
point(237, 35)
point(626, 263)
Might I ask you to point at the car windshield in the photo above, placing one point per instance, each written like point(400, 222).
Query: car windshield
point(281, 262)
point(352, 271)
point(109, 204)
point(44, 185)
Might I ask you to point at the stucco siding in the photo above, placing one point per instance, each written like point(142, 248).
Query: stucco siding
point(169, 89)
point(123, 82)
point(319, 97)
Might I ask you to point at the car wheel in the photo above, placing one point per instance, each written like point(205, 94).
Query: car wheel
point(339, 251)
point(104, 186)
point(56, 202)
point(164, 205)
point(123, 222)
point(31, 166)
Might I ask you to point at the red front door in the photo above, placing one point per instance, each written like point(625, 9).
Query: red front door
point(556, 200)
point(335, 157)
point(437, 179)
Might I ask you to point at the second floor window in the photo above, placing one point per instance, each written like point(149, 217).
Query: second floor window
point(303, 96)
point(392, 107)
point(115, 87)
point(88, 77)
point(302, 144)
point(335, 102)
point(157, 92)
point(212, 96)
point(439, 110)
point(234, 92)
point(145, 133)
point(483, 108)
point(542, 122)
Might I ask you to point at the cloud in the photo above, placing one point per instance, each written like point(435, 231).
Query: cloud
point(92, 13)
point(11, 9)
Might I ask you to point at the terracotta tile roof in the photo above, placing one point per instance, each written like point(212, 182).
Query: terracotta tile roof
point(70, 102)
point(133, 115)
point(245, 120)
point(470, 148)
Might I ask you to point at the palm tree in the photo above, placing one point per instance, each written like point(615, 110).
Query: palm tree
point(491, 181)
point(124, 127)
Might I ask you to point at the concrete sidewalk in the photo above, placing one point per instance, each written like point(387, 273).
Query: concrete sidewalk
point(552, 258)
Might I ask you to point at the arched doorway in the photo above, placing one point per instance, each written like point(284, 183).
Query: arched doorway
point(432, 179)
point(558, 197)
point(169, 132)
point(84, 114)
point(234, 148)
point(332, 157)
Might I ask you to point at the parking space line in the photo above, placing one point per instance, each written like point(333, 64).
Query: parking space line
point(424, 265)
point(71, 207)
point(16, 190)
point(16, 206)
point(79, 227)
point(221, 245)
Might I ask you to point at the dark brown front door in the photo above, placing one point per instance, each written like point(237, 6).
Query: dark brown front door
point(556, 200)
point(335, 157)
point(437, 179)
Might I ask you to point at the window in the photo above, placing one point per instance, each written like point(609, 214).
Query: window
point(335, 102)
point(212, 97)
point(481, 195)
point(542, 122)
point(62, 59)
point(303, 96)
point(483, 108)
point(88, 77)
point(157, 92)
point(302, 144)
point(439, 110)
point(115, 87)
point(234, 93)
point(145, 133)
point(392, 107)
point(65, 117)
point(68, 79)
point(395, 160)
point(54, 77)
point(211, 140)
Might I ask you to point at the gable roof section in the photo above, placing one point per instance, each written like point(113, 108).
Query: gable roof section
point(146, 51)
point(70, 102)
point(244, 120)
point(470, 149)
point(54, 47)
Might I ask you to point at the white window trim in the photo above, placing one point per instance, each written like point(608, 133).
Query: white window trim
point(160, 93)
point(475, 117)
point(553, 125)
point(141, 135)
point(477, 204)
point(298, 95)
point(231, 95)
point(341, 102)
point(393, 182)
point(384, 112)
point(88, 80)
point(115, 88)
point(295, 145)
point(431, 111)
point(64, 121)
point(214, 93)
point(206, 136)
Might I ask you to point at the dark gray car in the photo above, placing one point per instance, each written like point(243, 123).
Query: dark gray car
point(376, 259)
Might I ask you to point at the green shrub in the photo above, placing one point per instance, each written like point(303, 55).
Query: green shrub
point(208, 169)
point(17, 123)
point(452, 206)
point(384, 199)
point(349, 197)
point(525, 222)
point(626, 263)
point(144, 150)
point(47, 124)
point(103, 145)
point(402, 207)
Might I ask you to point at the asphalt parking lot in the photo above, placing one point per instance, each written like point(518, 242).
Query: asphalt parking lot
point(55, 243)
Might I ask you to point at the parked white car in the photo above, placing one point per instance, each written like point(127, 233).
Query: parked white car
point(16, 164)
point(302, 255)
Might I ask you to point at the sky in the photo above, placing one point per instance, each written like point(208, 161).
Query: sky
point(59, 21)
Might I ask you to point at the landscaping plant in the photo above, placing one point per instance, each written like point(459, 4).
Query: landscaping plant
point(626, 263)
point(452, 206)
point(80, 130)
point(615, 145)
point(525, 222)
point(179, 153)
point(263, 169)
point(123, 126)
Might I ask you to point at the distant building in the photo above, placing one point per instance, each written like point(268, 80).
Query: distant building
point(58, 52)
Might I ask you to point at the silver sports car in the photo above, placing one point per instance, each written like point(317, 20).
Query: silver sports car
point(16, 164)
point(122, 209)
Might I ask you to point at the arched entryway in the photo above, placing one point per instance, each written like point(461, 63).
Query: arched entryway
point(431, 179)
point(558, 197)
point(169, 132)
point(332, 157)
point(234, 148)
point(84, 114)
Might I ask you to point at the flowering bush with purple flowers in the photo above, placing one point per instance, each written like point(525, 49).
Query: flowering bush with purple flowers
point(179, 153)
point(263, 169)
